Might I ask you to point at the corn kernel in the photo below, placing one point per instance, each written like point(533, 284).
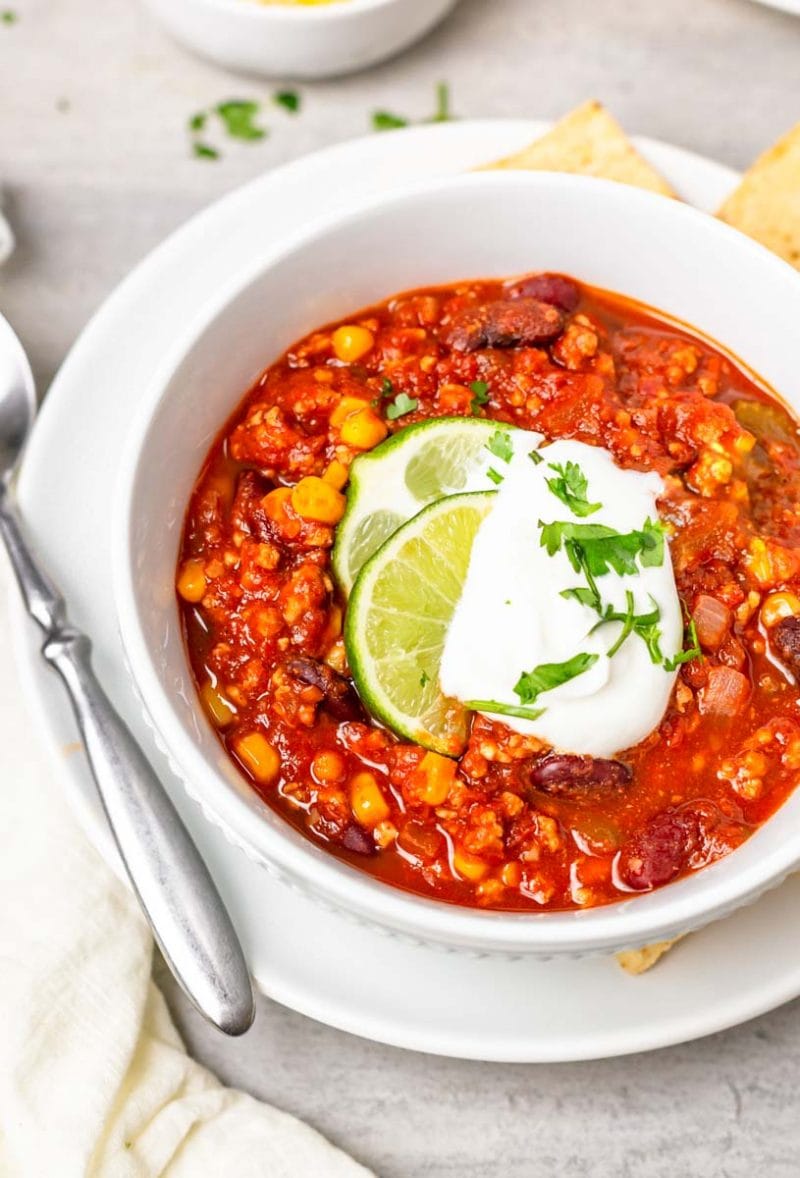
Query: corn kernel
point(351, 342)
point(778, 606)
point(192, 581)
point(277, 507)
point(469, 867)
point(433, 778)
point(220, 709)
point(258, 756)
point(327, 767)
point(363, 430)
point(336, 474)
point(346, 406)
point(368, 803)
point(314, 499)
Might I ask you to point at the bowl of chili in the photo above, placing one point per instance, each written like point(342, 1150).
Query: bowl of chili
point(506, 844)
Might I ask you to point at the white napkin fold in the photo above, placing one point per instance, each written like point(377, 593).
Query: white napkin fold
point(94, 1080)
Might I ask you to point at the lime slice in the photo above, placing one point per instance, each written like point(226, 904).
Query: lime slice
point(398, 616)
point(416, 466)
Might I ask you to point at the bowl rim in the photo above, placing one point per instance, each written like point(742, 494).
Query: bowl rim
point(298, 14)
point(297, 859)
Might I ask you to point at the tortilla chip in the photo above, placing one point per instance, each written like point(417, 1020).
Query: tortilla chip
point(766, 205)
point(636, 961)
point(591, 142)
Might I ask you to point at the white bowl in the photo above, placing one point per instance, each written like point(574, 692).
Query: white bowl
point(654, 249)
point(283, 41)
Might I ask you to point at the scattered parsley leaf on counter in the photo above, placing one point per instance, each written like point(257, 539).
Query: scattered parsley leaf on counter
point(237, 116)
point(546, 676)
point(288, 99)
point(493, 706)
point(204, 152)
point(198, 121)
point(480, 395)
point(8, 16)
point(500, 445)
point(384, 120)
point(494, 475)
point(401, 405)
point(571, 488)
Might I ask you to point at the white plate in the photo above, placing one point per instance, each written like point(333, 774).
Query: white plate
point(792, 6)
point(303, 956)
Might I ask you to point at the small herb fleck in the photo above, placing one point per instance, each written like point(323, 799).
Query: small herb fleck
point(401, 405)
point(500, 445)
point(493, 706)
point(686, 656)
point(237, 116)
point(288, 99)
point(535, 457)
point(480, 395)
point(387, 388)
point(442, 113)
point(494, 475)
point(204, 152)
point(198, 121)
point(8, 16)
point(384, 120)
point(424, 679)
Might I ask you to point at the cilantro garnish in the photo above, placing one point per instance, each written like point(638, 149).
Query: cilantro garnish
point(8, 16)
point(686, 656)
point(494, 706)
point(535, 457)
point(387, 388)
point(546, 676)
point(237, 116)
point(442, 113)
point(384, 120)
point(204, 152)
point(288, 99)
point(494, 475)
point(401, 405)
point(571, 487)
point(500, 445)
point(480, 395)
point(594, 549)
point(198, 121)
point(424, 679)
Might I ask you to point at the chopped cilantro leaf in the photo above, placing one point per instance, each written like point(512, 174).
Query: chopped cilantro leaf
point(571, 487)
point(480, 395)
point(442, 114)
point(494, 707)
point(387, 388)
point(237, 116)
point(204, 152)
point(686, 656)
point(384, 120)
point(535, 457)
point(595, 549)
point(401, 405)
point(500, 445)
point(197, 122)
point(288, 99)
point(8, 16)
point(546, 676)
point(494, 475)
point(424, 679)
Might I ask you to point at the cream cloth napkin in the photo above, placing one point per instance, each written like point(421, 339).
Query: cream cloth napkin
point(94, 1080)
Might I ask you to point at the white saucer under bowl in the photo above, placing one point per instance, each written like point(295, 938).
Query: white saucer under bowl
point(302, 955)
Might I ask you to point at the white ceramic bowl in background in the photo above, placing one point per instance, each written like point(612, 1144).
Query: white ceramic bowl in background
point(277, 40)
point(653, 249)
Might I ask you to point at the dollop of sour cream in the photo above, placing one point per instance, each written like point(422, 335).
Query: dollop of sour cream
point(512, 616)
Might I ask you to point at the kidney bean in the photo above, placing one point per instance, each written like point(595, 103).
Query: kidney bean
point(357, 840)
point(503, 324)
point(340, 698)
point(555, 289)
point(569, 776)
point(658, 852)
point(784, 639)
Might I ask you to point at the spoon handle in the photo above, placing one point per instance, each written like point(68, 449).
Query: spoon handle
point(182, 905)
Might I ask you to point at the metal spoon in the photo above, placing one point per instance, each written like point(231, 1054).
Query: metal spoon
point(176, 892)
